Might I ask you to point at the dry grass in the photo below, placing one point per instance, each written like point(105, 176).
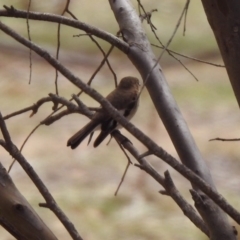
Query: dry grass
point(83, 181)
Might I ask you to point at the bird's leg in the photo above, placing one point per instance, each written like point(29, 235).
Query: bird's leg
point(109, 139)
point(90, 137)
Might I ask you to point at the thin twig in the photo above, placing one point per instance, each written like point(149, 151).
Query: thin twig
point(191, 58)
point(185, 18)
point(122, 179)
point(29, 38)
point(225, 139)
point(183, 65)
point(165, 182)
point(165, 48)
point(23, 144)
point(27, 109)
point(72, 108)
point(110, 38)
point(58, 45)
point(128, 164)
point(34, 108)
point(147, 15)
point(105, 56)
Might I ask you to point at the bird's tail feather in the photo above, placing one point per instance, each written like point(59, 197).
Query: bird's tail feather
point(78, 137)
point(107, 127)
point(100, 138)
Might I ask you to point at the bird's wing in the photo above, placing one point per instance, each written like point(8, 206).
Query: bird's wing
point(78, 137)
point(108, 125)
point(126, 106)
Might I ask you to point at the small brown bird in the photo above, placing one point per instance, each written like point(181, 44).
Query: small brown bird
point(124, 98)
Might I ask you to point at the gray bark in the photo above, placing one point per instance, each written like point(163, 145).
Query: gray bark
point(144, 60)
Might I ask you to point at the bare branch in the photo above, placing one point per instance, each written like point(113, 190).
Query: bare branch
point(16, 154)
point(122, 179)
point(191, 58)
point(148, 142)
point(187, 209)
point(166, 182)
point(16, 215)
point(202, 202)
point(71, 108)
point(185, 17)
point(34, 108)
point(117, 42)
point(128, 164)
point(145, 61)
point(29, 38)
point(168, 43)
point(225, 139)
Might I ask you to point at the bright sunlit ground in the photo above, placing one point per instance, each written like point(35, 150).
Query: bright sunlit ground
point(83, 181)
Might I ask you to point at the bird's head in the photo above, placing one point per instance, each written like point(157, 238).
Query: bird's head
point(128, 83)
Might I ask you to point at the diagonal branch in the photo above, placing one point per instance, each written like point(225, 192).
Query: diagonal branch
point(16, 215)
point(145, 61)
point(166, 182)
point(51, 203)
point(148, 142)
point(117, 42)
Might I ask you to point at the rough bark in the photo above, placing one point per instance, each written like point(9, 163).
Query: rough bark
point(16, 214)
point(224, 19)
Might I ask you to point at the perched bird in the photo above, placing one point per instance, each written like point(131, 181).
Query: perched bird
point(124, 98)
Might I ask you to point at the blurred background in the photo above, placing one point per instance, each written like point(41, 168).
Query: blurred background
point(83, 181)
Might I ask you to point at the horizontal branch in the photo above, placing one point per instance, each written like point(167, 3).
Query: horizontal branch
point(49, 17)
